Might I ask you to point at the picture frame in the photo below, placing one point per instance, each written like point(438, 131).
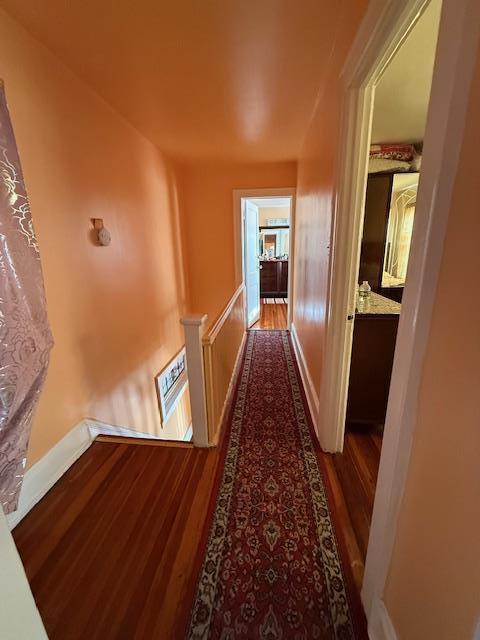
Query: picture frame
point(170, 385)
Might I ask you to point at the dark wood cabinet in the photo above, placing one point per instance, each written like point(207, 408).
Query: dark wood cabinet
point(268, 278)
point(373, 349)
point(283, 278)
point(273, 278)
point(377, 207)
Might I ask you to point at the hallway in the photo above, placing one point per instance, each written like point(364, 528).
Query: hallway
point(273, 315)
point(133, 572)
point(275, 565)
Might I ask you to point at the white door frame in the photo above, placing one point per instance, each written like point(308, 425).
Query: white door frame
point(385, 26)
point(238, 195)
point(250, 259)
point(19, 616)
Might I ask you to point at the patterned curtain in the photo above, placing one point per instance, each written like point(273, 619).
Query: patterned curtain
point(25, 338)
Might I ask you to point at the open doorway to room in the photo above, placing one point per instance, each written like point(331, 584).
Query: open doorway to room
point(394, 166)
point(267, 264)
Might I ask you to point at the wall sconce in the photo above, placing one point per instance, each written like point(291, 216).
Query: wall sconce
point(103, 234)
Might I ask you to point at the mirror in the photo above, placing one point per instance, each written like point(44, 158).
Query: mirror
point(399, 230)
point(274, 243)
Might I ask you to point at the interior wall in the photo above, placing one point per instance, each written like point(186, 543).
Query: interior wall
point(207, 212)
point(434, 582)
point(314, 205)
point(114, 310)
point(403, 92)
point(266, 213)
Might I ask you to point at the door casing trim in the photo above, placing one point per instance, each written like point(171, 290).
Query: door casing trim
point(238, 196)
point(383, 29)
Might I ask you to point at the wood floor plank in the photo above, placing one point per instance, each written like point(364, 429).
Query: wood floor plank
point(272, 316)
point(358, 451)
point(357, 560)
point(140, 553)
point(97, 540)
point(354, 498)
point(116, 540)
point(180, 589)
point(59, 512)
point(356, 475)
point(151, 442)
point(377, 438)
point(111, 550)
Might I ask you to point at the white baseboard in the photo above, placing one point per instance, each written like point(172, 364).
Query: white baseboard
point(310, 392)
point(41, 476)
point(44, 474)
point(380, 625)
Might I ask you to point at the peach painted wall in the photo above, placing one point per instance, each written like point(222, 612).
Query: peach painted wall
point(115, 310)
point(314, 211)
point(433, 590)
point(208, 222)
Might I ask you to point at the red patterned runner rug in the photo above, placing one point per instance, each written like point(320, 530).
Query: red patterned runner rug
point(272, 567)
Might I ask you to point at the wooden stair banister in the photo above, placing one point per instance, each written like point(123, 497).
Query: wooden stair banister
point(211, 361)
point(194, 326)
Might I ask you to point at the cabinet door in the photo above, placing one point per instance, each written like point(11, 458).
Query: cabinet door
point(268, 279)
point(373, 349)
point(283, 285)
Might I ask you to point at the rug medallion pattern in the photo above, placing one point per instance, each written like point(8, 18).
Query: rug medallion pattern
point(272, 567)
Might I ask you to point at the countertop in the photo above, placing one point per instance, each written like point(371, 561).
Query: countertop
point(376, 304)
point(273, 259)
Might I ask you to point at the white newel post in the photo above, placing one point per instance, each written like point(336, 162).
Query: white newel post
point(194, 327)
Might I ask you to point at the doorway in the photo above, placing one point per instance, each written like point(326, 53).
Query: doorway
point(266, 252)
point(395, 150)
point(377, 42)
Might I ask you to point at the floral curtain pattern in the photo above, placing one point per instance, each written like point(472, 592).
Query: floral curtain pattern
point(25, 337)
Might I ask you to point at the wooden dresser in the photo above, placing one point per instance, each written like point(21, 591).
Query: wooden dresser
point(374, 338)
point(273, 278)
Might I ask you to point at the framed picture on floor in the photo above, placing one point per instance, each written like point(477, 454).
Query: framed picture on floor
point(170, 385)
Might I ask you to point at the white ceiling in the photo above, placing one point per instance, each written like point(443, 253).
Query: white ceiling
point(402, 94)
point(270, 202)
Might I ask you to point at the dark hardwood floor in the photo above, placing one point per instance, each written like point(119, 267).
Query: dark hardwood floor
point(353, 476)
point(272, 316)
point(111, 550)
